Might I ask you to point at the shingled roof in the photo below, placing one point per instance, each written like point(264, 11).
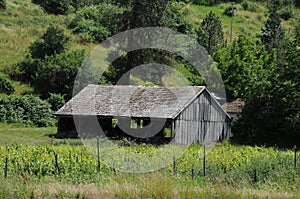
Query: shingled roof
point(235, 106)
point(131, 101)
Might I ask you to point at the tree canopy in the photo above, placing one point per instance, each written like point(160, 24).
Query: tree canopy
point(210, 34)
point(272, 33)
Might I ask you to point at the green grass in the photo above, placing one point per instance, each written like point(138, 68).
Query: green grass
point(229, 170)
point(229, 174)
point(19, 134)
point(153, 185)
point(21, 24)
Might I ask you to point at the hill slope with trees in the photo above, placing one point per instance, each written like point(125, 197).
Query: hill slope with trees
point(43, 43)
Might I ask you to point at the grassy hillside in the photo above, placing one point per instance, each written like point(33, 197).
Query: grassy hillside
point(244, 22)
point(21, 24)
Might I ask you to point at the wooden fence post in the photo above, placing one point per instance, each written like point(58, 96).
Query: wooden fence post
point(204, 166)
point(70, 159)
point(6, 168)
point(255, 175)
point(27, 167)
point(295, 157)
point(56, 164)
point(174, 165)
point(193, 172)
point(98, 154)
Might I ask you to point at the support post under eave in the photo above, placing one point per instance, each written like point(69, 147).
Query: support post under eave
point(172, 129)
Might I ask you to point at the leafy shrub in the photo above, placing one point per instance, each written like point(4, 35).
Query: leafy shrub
point(205, 2)
point(56, 100)
point(90, 32)
point(211, 2)
point(6, 85)
point(56, 74)
point(54, 6)
point(25, 70)
point(2, 4)
point(249, 6)
point(64, 6)
point(99, 21)
point(26, 109)
point(77, 4)
point(176, 18)
point(52, 41)
point(297, 33)
point(286, 14)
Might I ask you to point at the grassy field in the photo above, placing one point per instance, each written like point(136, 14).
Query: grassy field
point(155, 185)
point(19, 134)
point(232, 171)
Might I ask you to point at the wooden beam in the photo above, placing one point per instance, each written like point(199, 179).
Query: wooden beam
point(172, 129)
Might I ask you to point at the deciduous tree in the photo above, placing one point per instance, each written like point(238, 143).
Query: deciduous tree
point(51, 42)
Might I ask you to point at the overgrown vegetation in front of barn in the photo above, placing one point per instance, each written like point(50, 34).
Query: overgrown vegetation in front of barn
point(251, 170)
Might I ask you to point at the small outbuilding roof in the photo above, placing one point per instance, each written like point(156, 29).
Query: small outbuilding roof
point(131, 101)
point(235, 106)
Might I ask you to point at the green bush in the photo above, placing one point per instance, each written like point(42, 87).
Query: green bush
point(205, 2)
point(249, 6)
point(63, 7)
point(26, 109)
point(51, 42)
point(25, 70)
point(56, 100)
point(177, 18)
point(6, 85)
point(99, 21)
point(286, 14)
point(78, 4)
point(212, 2)
point(54, 6)
point(93, 33)
point(297, 34)
point(56, 74)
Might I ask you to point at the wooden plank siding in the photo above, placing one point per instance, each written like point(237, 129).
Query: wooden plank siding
point(202, 121)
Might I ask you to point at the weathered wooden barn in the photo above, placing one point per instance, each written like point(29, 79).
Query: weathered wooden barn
point(190, 113)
